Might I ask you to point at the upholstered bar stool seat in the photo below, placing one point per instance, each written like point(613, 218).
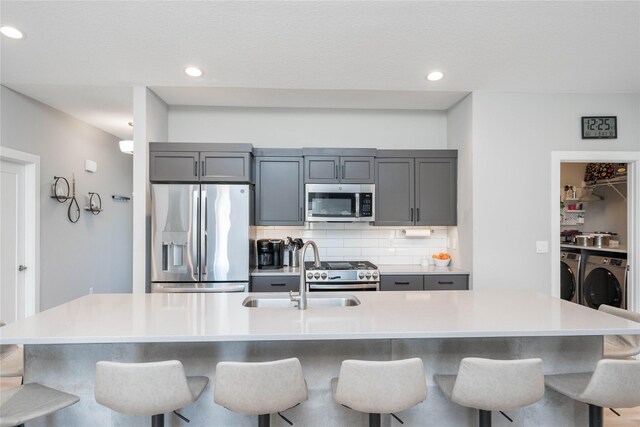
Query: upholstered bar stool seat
point(621, 346)
point(30, 401)
point(149, 389)
point(261, 388)
point(11, 359)
point(494, 385)
point(613, 384)
point(380, 387)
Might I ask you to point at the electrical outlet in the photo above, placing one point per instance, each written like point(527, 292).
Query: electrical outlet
point(542, 247)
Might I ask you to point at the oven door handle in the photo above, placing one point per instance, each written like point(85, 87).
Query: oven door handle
point(322, 286)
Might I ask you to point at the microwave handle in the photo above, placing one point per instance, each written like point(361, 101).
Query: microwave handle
point(357, 205)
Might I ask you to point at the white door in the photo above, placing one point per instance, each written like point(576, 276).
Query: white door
point(12, 238)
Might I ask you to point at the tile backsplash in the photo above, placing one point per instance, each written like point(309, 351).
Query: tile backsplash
point(359, 241)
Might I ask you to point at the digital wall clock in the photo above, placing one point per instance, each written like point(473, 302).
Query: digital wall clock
point(600, 127)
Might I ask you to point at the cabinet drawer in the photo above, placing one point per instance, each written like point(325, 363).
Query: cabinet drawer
point(446, 282)
point(275, 283)
point(401, 283)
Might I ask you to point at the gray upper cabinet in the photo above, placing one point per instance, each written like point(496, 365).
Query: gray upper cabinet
point(279, 191)
point(436, 191)
point(321, 169)
point(173, 166)
point(357, 170)
point(225, 167)
point(336, 169)
point(394, 191)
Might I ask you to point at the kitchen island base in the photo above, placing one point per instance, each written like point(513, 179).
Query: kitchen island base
point(71, 368)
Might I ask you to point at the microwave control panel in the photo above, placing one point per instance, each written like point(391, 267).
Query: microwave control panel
point(366, 204)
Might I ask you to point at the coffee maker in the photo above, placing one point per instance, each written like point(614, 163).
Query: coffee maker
point(270, 253)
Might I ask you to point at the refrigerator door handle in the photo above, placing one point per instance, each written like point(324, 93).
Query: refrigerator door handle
point(205, 232)
point(194, 240)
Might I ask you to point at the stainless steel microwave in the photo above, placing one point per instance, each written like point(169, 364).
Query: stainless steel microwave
point(340, 202)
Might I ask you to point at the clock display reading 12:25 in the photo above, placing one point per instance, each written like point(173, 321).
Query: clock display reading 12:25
point(600, 127)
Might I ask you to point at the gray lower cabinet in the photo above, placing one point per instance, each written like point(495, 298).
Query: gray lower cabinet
point(436, 191)
point(427, 282)
point(173, 166)
point(446, 282)
point(279, 191)
point(394, 191)
point(225, 167)
point(401, 283)
point(276, 283)
point(339, 169)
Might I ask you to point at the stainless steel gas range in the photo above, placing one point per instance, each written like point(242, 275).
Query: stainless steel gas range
point(342, 276)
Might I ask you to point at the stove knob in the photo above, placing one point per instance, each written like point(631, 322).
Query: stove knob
point(375, 275)
point(361, 275)
point(368, 275)
point(324, 276)
point(309, 276)
point(317, 275)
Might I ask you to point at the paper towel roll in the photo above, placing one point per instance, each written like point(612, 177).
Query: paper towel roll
point(420, 232)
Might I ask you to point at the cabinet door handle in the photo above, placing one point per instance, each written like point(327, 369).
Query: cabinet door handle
point(445, 283)
point(301, 214)
point(417, 214)
point(278, 284)
point(204, 168)
point(411, 215)
point(402, 283)
point(336, 171)
point(342, 169)
point(195, 168)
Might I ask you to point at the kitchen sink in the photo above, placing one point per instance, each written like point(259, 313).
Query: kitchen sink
point(313, 301)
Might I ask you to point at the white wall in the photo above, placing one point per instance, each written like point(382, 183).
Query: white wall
point(514, 135)
point(95, 252)
point(150, 124)
point(460, 137)
point(295, 127)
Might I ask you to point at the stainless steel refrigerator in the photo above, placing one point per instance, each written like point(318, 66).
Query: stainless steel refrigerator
point(200, 237)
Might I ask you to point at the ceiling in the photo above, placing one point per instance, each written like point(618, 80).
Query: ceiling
point(83, 57)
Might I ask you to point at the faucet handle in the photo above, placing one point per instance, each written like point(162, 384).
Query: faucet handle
point(295, 296)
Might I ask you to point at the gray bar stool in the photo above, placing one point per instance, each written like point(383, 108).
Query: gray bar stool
point(149, 389)
point(11, 359)
point(621, 346)
point(613, 384)
point(260, 388)
point(494, 385)
point(380, 387)
point(30, 401)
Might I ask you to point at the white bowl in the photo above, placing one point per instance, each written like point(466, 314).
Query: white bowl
point(441, 262)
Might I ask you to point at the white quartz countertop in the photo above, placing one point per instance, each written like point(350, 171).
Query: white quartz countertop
point(622, 249)
point(419, 269)
point(137, 318)
point(384, 269)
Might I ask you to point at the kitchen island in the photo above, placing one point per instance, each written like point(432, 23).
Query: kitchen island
point(63, 344)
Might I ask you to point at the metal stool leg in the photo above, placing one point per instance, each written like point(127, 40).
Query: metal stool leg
point(484, 418)
point(264, 420)
point(157, 420)
point(595, 416)
point(374, 420)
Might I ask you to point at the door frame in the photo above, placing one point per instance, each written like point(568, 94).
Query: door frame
point(31, 164)
point(632, 158)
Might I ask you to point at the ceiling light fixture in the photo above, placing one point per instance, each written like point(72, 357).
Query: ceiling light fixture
point(193, 71)
point(434, 76)
point(126, 146)
point(11, 32)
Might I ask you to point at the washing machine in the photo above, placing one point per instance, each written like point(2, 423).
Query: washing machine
point(605, 282)
point(570, 276)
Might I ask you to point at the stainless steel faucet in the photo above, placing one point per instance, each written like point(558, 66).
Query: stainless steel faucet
point(301, 297)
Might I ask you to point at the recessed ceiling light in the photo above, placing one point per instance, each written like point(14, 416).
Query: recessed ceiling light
point(11, 32)
point(434, 76)
point(193, 71)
